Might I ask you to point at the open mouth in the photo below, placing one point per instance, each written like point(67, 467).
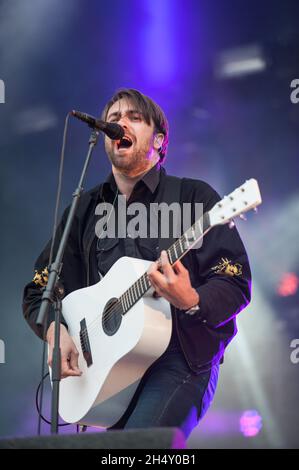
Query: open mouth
point(124, 143)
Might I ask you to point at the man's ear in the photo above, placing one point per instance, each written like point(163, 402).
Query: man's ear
point(158, 141)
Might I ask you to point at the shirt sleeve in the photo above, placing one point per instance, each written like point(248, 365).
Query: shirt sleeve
point(34, 289)
point(224, 271)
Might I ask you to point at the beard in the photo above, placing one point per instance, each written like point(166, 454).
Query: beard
point(138, 160)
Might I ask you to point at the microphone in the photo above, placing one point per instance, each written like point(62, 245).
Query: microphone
point(111, 129)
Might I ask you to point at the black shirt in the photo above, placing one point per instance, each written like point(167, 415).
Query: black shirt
point(219, 270)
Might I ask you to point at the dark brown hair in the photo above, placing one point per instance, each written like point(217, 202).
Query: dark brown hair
point(150, 110)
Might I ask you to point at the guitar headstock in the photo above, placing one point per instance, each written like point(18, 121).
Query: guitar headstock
point(241, 200)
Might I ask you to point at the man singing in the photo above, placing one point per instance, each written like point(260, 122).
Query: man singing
point(206, 289)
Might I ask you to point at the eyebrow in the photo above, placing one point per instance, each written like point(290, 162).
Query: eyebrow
point(118, 114)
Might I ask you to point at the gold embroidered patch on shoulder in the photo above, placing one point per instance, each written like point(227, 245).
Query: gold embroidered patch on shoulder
point(226, 267)
point(41, 277)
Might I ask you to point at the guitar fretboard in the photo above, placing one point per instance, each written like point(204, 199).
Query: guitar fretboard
point(175, 252)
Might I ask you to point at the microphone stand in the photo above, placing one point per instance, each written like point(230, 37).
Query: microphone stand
point(53, 296)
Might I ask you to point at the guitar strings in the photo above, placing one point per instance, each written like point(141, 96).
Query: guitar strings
point(89, 329)
point(109, 312)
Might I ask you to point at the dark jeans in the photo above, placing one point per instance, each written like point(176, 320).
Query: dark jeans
point(171, 395)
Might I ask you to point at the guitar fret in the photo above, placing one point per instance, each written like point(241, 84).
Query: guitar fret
point(169, 255)
point(142, 284)
point(132, 294)
point(176, 254)
point(137, 289)
point(181, 246)
point(186, 241)
point(146, 281)
point(128, 300)
point(130, 297)
point(125, 301)
point(141, 287)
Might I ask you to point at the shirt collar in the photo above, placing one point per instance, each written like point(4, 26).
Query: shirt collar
point(150, 179)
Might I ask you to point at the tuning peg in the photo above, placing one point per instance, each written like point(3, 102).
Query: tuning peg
point(243, 217)
point(231, 223)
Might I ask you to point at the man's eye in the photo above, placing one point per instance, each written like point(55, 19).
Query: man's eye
point(136, 117)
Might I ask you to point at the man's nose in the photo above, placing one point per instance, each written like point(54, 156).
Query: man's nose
point(124, 121)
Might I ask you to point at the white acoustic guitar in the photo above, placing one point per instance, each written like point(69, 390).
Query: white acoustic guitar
point(120, 329)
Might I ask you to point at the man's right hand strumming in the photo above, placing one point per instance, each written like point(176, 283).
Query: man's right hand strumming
point(69, 352)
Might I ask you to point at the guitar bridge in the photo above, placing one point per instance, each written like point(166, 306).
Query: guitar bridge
point(85, 344)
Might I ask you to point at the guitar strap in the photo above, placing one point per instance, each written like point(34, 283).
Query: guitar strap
point(171, 193)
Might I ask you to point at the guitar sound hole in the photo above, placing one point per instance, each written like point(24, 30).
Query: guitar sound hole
point(112, 317)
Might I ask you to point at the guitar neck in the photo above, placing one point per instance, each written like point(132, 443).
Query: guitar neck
point(187, 241)
point(175, 252)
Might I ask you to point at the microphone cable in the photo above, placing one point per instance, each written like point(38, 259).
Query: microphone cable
point(38, 406)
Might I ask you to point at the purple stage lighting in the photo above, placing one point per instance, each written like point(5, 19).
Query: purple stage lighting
point(250, 423)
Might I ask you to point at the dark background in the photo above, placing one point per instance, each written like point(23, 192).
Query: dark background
point(224, 129)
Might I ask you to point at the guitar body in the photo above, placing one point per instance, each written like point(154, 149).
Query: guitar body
point(117, 358)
